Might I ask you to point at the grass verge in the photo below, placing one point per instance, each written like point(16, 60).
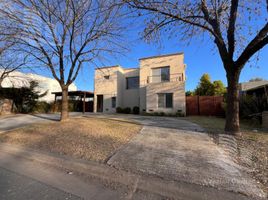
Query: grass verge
point(85, 138)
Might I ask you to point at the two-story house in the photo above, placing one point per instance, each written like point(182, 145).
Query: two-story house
point(158, 85)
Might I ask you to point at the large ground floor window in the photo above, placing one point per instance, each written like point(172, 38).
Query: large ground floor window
point(165, 100)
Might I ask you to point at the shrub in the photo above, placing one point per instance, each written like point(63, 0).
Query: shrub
point(25, 98)
point(251, 107)
point(179, 113)
point(119, 110)
point(136, 110)
point(162, 114)
point(43, 107)
point(127, 110)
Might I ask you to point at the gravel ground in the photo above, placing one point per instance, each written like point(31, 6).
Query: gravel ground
point(253, 154)
point(85, 138)
point(252, 146)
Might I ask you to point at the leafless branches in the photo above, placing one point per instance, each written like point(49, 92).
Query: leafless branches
point(239, 28)
point(63, 35)
point(229, 22)
point(10, 59)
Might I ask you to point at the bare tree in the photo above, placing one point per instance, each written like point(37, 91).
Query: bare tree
point(10, 60)
point(63, 35)
point(239, 29)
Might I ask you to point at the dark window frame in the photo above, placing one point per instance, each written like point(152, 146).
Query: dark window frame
point(164, 77)
point(107, 77)
point(136, 86)
point(113, 100)
point(168, 103)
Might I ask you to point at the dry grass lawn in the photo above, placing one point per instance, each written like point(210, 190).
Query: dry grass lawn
point(253, 145)
point(85, 138)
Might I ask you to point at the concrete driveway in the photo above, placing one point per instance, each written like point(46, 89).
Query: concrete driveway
point(169, 148)
point(175, 149)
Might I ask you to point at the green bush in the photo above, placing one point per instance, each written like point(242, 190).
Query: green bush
point(119, 110)
point(42, 107)
point(127, 110)
point(136, 110)
point(179, 113)
point(25, 98)
point(251, 107)
point(162, 114)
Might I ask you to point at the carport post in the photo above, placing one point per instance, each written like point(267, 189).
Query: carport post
point(55, 103)
point(84, 103)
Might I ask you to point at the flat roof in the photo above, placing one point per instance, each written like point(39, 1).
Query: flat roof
point(107, 67)
point(172, 54)
point(76, 93)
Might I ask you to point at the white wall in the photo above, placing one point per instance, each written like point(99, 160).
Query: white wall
point(19, 79)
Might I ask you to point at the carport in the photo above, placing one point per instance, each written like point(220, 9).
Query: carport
point(86, 97)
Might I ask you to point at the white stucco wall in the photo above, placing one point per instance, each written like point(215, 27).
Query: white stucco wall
point(106, 87)
point(149, 90)
point(130, 96)
point(176, 88)
point(145, 96)
point(18, 79)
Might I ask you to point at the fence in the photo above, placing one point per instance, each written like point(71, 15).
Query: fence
point(204, 105)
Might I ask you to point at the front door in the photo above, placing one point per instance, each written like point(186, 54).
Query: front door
point(99, 103)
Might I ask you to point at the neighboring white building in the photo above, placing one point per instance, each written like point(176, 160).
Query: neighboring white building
point(157, 86)
point(19, 79)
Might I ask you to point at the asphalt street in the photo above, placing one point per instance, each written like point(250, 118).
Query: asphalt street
point(14, 186)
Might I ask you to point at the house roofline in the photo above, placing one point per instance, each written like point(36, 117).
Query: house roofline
point(107, 67)
point(172, 54)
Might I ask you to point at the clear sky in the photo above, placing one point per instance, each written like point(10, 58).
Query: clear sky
point(200, 57)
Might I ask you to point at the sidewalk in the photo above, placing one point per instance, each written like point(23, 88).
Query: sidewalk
point(90, 179)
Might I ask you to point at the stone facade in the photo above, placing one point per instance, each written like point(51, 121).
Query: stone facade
point(111, 89)
point(6, 106)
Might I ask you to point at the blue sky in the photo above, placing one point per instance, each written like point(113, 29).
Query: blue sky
point(200, 57)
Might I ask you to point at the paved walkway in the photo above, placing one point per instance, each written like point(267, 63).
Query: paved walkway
point(175, 149)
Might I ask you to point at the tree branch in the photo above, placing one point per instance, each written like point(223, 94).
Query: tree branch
point(260, 40)
point(231, 28)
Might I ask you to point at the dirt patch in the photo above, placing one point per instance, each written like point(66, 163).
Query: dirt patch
point(253, 154)
point(85, 138)
point(252, 146)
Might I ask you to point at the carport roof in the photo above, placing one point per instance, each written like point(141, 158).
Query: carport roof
point(79, 93)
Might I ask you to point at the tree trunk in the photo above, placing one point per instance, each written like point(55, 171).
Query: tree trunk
point(1, 82)
point(64, 104)
point(232, 110)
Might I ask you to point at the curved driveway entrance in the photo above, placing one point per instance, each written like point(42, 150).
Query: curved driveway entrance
point(175, 149)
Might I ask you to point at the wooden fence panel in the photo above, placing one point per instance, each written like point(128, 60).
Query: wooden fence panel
point(192, 105)
point(204, 105)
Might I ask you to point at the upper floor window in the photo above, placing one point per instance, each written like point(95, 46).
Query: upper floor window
point(133, 82)
point(107, 77)
point(160, 74)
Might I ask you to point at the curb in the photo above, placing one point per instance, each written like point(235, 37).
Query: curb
point(165, 188)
